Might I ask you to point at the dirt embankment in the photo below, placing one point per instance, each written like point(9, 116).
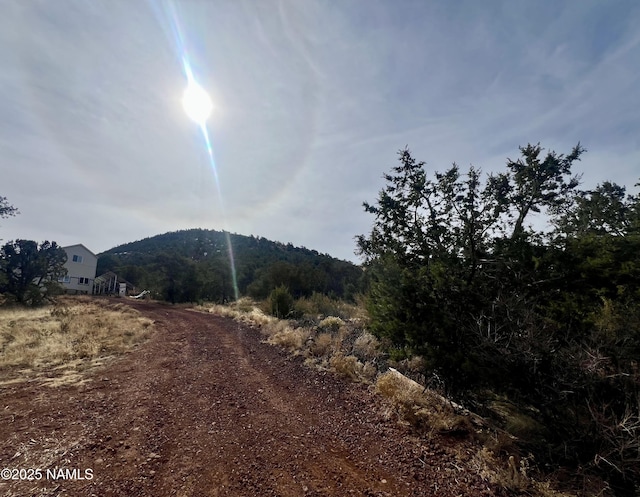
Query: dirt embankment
point(205, 408)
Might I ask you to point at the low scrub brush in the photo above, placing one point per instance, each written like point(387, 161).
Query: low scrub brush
point(346, 365)
point(366, 346)
point(420, 407)
point(331, 323)
point(291, 339)
point(322, 345)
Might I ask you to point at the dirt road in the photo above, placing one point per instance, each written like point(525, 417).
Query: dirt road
point(204, 408)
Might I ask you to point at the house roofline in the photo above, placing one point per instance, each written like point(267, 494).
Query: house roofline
point(80, 245)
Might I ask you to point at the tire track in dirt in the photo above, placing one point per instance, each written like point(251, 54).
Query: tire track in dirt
point(205, 408)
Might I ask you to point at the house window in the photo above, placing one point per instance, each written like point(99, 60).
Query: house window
point(77, 258)
point(83, 281)
point(64, 279)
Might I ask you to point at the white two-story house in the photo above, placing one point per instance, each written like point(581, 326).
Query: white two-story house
point(81, 269)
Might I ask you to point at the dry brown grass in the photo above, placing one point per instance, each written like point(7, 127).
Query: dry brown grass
point(424, 409)
point(279, 332)
point(318, 305)
point(512, 474)
point(515, 421)
point(346, 365)
point(430, 414)
point(66, 338)
point(333, 344)
point(291, 339)
point(244, 310)
point(322, 345)
point(366, 346)
point(350, 367)
point(331, 324)
point(413, 366)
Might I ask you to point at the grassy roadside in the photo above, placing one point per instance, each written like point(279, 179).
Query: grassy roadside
point(337, 343)
point(343, 345)
point(57, 343)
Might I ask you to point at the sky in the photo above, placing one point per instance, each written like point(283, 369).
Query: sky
point(312, 99)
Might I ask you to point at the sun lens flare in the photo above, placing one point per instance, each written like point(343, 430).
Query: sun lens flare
point(197, 103)
point(198, 106)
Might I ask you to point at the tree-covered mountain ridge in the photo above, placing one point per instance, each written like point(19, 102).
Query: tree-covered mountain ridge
point(188, 242)
point(200, 264)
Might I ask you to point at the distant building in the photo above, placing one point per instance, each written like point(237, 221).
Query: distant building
point(81, 270)
point(110, 283)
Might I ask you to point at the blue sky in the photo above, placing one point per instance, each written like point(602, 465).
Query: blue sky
point(313, 99)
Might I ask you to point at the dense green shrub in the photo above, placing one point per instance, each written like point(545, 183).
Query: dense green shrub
point(280, 302)
point(548, 320)
point(318, 305)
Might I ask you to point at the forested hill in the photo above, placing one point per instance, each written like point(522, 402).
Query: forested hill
point(195, 264)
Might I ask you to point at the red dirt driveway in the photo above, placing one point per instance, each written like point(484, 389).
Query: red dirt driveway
point(205, 408)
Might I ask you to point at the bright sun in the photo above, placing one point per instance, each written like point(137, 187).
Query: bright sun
point(197, 103)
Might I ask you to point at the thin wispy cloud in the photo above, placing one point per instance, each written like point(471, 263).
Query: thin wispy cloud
point(313, 100)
